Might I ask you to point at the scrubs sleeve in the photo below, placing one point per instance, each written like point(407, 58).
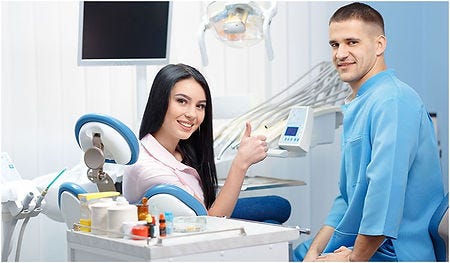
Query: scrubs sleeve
point(394, 137)
point(337, 212)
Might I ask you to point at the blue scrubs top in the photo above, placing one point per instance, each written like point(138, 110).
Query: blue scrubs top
point(390, 181)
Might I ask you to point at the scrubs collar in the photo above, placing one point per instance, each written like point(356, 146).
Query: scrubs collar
point(373, 81)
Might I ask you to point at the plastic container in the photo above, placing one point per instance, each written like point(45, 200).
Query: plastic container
point(188, 224)
point(139, 231)
point(99, 213)
point(169, 222)
point(118, 213)
point(142, 209)
point(86, 200)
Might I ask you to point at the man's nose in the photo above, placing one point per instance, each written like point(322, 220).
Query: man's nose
point(341, 52)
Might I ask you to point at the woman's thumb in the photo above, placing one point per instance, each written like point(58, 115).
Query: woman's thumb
point(248, 129)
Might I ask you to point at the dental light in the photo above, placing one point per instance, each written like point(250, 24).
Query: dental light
point(238, 24)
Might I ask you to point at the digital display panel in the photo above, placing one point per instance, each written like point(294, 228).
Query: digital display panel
point(291, 131)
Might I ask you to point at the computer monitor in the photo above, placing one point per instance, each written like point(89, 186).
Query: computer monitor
point(124, 33)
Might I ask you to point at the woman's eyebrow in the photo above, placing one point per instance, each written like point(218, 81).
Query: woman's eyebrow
point(189, 98)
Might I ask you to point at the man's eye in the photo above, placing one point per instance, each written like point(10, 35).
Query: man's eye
point(334, 45)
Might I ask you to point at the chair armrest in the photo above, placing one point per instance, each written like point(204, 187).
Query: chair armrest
point(174, 199)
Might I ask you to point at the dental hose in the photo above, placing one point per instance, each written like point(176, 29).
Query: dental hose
point(44, 192)
point(37, 206)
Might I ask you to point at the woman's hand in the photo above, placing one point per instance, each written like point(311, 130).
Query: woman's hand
point(252, 149)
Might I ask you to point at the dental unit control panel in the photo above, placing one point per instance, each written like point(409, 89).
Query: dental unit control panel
point(296, 134)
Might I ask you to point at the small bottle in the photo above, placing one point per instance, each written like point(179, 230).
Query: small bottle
point(143, 209)
point(85, 214)
point(150, 225)
point(162, 225)
point(155, 228)
point(169, 222)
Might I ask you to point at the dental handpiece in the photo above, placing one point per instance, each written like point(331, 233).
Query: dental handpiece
point(26, 202)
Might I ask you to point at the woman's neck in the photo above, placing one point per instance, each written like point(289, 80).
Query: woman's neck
point(169, 144)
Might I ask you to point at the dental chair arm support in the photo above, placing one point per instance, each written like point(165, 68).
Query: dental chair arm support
point(175, 200)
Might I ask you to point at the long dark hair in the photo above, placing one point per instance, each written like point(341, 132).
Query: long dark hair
point(197, 150)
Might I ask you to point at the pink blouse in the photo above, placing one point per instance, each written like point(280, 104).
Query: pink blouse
point(156, 165)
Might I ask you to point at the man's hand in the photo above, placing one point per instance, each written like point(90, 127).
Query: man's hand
point(341, 254)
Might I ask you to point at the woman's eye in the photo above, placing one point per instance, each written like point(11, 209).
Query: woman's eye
point(201, 106)
point(181, 101)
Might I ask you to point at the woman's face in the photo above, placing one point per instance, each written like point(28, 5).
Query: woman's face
point(185, 112)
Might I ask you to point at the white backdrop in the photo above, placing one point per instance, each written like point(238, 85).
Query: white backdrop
point(44, 92)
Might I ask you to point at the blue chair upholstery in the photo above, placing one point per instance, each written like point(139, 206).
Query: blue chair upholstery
point(70, 187)
point(270, 209)
point(117, 125)
point(174, 199)
point(68, 202)
point(438, 229)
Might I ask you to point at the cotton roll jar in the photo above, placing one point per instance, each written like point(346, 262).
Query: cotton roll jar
point(99, 211)
point(118, 213)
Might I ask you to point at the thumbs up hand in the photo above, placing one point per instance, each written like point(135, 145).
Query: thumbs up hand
point(252, 149)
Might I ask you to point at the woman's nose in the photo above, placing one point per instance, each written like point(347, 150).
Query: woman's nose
point(190, 113)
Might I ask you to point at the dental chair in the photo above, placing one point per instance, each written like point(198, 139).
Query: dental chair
point(175, 199)
point(103, 139)
point(438, 229)
point(269, 209)
point(106, 139)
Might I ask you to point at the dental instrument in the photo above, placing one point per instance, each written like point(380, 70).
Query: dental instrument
point(319, 87)
point(15, 211)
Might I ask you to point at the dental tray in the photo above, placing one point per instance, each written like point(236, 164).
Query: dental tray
point(189, 224)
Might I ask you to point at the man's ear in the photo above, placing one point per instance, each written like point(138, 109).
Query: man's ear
point(381, 44)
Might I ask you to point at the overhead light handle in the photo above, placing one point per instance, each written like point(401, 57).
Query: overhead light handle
point(201, 41)
point(268, 15)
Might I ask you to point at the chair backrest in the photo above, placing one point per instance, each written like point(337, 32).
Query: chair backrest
point(174, 199)
point(438, 229)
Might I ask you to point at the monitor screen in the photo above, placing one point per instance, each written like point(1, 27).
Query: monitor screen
point(124, 33)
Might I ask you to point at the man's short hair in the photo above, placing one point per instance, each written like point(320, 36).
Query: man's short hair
point(358, 11)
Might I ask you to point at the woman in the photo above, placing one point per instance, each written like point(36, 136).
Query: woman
point(177, 143)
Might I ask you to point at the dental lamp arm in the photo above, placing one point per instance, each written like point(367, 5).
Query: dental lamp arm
point(268, 15)
point(201, 42)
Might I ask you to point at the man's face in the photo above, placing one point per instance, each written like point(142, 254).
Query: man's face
point(355, 49)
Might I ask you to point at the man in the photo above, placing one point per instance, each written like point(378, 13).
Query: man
point(390, 182)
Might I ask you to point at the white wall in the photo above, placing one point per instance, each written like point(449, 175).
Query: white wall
point(44, 92)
